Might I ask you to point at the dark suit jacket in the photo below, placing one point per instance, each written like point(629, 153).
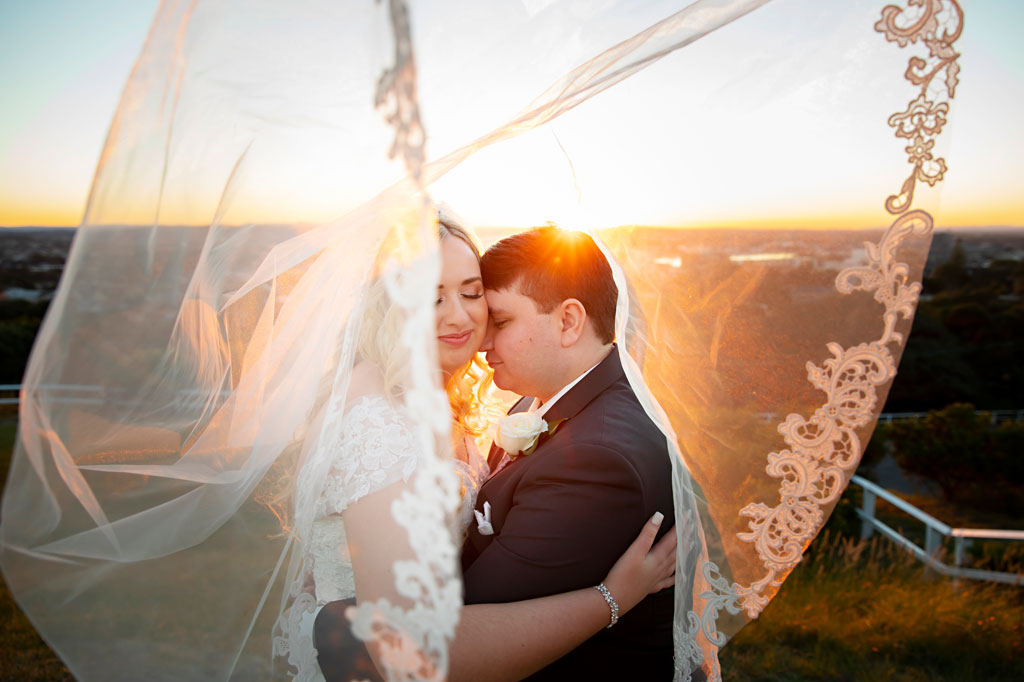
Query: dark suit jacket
point(564, 514)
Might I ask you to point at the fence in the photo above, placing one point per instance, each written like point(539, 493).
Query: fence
point(934, 530)
point(95, 395)
point(997, 416)
point(69, 393)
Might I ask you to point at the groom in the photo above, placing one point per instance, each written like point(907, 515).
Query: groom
point(561, 515)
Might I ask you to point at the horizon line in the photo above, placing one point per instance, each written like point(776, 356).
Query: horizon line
point(772, 226)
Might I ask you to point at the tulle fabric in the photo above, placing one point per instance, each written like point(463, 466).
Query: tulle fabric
point(268, 184)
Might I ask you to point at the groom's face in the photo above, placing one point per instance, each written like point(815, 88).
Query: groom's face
point(522, 344)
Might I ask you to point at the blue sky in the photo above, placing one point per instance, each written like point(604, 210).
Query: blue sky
point(63, 64)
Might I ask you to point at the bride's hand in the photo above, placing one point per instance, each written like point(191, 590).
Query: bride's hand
point(642, 570)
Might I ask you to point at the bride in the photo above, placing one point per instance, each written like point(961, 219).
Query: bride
point(352, 553)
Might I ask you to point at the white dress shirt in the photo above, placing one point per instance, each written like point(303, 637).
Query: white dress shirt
point(541, 410)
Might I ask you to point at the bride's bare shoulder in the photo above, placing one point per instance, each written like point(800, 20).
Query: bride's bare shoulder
point(367, 380)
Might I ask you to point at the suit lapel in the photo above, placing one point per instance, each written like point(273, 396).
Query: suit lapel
point(606, 373)
point(495, 489)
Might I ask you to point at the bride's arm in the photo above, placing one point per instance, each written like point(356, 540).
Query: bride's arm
point(498, 642)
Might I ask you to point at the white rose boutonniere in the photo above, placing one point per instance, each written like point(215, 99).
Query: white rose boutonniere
point(519, 433)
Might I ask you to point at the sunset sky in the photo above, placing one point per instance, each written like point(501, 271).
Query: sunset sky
point(64, 64)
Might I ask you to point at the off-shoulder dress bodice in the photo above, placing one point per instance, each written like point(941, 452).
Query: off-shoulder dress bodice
point(376, 448)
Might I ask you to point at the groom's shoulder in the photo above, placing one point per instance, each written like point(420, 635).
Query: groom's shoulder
point(618, 410)
point(615, 422)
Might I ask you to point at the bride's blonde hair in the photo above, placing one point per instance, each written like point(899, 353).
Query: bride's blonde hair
point(468, 387)
point(380, 328)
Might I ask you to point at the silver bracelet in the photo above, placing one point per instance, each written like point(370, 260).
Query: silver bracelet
point(612, 604)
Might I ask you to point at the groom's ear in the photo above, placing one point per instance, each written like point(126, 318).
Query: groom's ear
point(572, 317)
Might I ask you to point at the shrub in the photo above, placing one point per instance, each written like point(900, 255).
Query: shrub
point(876, 449)
point(946, 447)
point(972, 461)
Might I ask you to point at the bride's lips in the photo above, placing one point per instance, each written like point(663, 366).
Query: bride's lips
point(457, 339)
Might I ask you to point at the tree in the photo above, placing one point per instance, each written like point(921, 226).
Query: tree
point(19, 323)
point(952, 274)
point(946, 447)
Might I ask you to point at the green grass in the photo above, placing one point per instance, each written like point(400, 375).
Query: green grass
point(23, 654)
point(867, 611)
point(7, 435)
point(850, 611)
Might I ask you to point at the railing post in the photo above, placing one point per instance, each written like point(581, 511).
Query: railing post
point(932, 541)
point(867, 506)
point(934, 530)
point(960, 545)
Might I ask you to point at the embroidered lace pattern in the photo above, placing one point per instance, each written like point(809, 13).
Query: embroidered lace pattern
point(937, 24)
point(376, 450)
point(412, 643)
point(396, 95)
point(823, 451)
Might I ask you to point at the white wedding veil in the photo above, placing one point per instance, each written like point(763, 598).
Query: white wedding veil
point(264, 203)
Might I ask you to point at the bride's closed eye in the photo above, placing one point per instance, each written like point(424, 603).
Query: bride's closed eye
point(474, 297)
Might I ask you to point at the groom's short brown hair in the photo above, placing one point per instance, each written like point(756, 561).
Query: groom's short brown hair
point(549, 265)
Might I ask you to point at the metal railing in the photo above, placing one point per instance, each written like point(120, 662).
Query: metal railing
point(997, 416)
point(6, 390)
point(83, 394)
point(934, 531)
point(71, 393)
point(9, 396)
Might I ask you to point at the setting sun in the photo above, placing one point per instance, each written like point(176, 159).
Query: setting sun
point(811, 156)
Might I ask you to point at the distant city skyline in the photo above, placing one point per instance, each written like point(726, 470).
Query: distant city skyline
point(64, 64)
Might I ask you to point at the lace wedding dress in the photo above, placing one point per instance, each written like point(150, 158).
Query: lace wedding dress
point(377, 449)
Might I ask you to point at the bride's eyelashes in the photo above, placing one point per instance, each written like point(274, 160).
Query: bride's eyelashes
point(473, 297)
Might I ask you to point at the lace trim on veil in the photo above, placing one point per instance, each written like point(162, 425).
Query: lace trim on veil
point(376, 449)
point(824, 450)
